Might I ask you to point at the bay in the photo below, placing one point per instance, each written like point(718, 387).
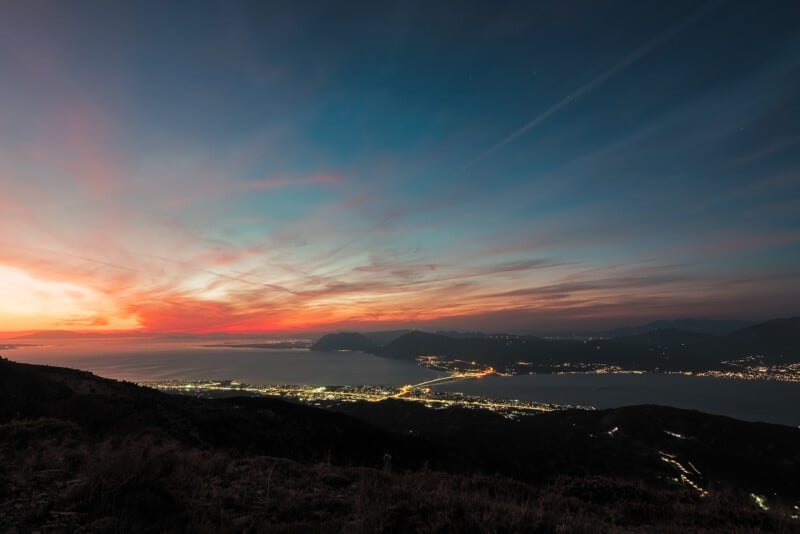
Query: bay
point(751, 400)
point(138, 361)
point(169, 360)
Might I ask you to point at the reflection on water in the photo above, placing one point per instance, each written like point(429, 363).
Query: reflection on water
point(153, 360)
point(752, 400)
point(166, 360)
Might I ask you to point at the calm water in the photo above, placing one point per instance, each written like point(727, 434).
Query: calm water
point(164, 360)
point(752, 400)
point(777, 402)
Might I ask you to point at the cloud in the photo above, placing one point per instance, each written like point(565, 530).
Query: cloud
point(118, 212)
point(84, 322)
point(282, 183)
point(595, 82)
point(775, 147)
point(725, 245)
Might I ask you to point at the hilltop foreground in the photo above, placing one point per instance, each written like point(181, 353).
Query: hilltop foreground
point(82, 453)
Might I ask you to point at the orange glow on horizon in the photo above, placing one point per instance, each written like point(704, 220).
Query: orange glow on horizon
point(153, 189)
point(83, 295)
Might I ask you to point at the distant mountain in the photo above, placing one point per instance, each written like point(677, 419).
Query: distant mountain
point(777, 340)
point(783, 329)
point(485, 349)
point(778, 337)
point(344, 341)
point(385, 337)
point(702, 326)
point(500, 350)
point(667, 337)
point(664, 349)
point(417, 343)
point(458, 334)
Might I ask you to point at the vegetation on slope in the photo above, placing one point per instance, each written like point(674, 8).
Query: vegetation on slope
point(665, 349)
point(80, 453)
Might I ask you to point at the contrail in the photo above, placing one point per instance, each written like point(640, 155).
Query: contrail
point(637, 54)
point(220, 275)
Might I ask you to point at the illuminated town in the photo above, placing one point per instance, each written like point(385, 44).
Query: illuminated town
point(755, 368)
point(747, 368)
point(330, 396)
point(685, 473)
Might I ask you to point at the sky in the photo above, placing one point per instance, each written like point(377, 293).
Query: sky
point(263, 166)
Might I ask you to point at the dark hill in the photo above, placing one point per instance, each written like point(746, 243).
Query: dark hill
point(385, 337)
point(577, 442)
point(83, 453)
point(702, 326)
point(776, 342)
point(106, 407)
point(662, 349)
point(416, 343)
point(500, 351)
point(775, 337)
point(344, 341)
point(497, 351)
point(667, 337)
point(458, 334)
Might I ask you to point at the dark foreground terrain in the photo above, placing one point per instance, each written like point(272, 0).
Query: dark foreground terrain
point(82, 453)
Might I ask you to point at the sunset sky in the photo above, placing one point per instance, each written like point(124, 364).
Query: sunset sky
point(300, 166)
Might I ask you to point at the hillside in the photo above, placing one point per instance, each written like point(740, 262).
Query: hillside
point(344, 341)
point(82, 452)
point(665, 337)
point(777, 338)
point(504, 351)
point(662, 349)
point(714, 327)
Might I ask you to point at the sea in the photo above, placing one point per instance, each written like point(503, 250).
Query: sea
point(139, 360)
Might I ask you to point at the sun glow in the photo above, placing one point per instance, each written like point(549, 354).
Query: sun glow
point(132, 197)
point(33, 304)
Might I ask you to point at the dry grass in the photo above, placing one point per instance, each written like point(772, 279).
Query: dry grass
point(55, 479)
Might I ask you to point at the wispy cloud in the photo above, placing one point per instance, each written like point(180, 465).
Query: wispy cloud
point(261, 178)
point(281, 183)
point(595, 82)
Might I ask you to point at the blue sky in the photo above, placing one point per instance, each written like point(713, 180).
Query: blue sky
point(269, 166)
